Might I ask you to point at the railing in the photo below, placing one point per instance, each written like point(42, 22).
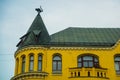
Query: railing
point(29, 75)
point(88, 72)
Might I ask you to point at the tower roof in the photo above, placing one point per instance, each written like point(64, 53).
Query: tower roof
point(37, 33)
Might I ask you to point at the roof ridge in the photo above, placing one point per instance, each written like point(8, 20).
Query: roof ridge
point(96, 27)
point(60, 31)
point(82, 28)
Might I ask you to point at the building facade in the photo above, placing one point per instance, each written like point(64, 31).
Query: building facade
point(70, 54)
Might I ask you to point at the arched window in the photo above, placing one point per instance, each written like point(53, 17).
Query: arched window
point(31, 65)
point(23, 64)
point(39, 62)
point(17, 65)
point(57, 63)
point(117, 64)
point(88, 61)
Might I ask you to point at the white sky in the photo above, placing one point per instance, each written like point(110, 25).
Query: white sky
point(16, 16)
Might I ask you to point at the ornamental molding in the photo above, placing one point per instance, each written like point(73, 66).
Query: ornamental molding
point(28, 48)
point(39, 47)
point(117, 44)
point(30, 75)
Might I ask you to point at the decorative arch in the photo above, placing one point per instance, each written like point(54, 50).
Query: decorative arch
point(118, 54)
point(57, 54)
point(88, 60)
point(84, 54)
point(31, 54)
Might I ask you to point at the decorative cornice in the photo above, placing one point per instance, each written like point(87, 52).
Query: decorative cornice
point(117, 43)
point(32, 47)
point(36, 47)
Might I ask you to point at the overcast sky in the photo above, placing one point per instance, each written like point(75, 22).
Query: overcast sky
point(16, 16)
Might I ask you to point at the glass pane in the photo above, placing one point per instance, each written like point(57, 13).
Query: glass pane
point(96, 60)
point(117, 66)
point(17, 65)
point(23, 67)
point(90, 64)
point(87, 58)
point(79, 59)
point(117, 58)
point(79, 64)
point(31, 57)
point(59, 66)
point(54, 65)
point(23, 64)
point(31, 65)
point(56, 58)
point(39, 65)
point(23, 59)
point(96, 64)
point(39, 57)
point(85, 64)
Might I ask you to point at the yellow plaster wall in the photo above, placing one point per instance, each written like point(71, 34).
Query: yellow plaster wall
point(69, 60)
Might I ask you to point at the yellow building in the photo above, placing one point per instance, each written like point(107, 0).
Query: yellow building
point(71, 54)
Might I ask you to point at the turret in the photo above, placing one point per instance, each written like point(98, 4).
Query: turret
point(37, 33)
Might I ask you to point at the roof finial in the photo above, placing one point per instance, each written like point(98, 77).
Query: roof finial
point(39, 10)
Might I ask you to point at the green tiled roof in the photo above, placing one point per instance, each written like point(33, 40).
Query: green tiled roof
point(86, 37)
point(38, 35)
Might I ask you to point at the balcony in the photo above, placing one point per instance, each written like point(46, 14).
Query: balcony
point(28, 75)
point(85, 73)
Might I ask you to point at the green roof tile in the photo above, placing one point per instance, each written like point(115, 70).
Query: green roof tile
point(87, 36)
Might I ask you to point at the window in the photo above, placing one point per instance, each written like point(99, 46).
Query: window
point(39, 63)
point(87, 61)
point(117, 64)
point(57, 63)
point(23, 64)
point(17, 65)
point(31, 66)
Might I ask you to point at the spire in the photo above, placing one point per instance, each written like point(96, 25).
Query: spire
point(37, 34)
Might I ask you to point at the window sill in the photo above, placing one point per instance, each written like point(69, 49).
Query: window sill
point(118, 75)
point(57, 72)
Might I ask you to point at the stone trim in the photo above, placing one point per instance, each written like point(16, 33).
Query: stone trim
point(28, 75)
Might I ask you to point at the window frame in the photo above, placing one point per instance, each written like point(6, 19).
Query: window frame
point(57, 70)
point(86, 63)
point(17, 65)
point(23, 63)
point(40, 55)
point(31, 61)
point(118, 63)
